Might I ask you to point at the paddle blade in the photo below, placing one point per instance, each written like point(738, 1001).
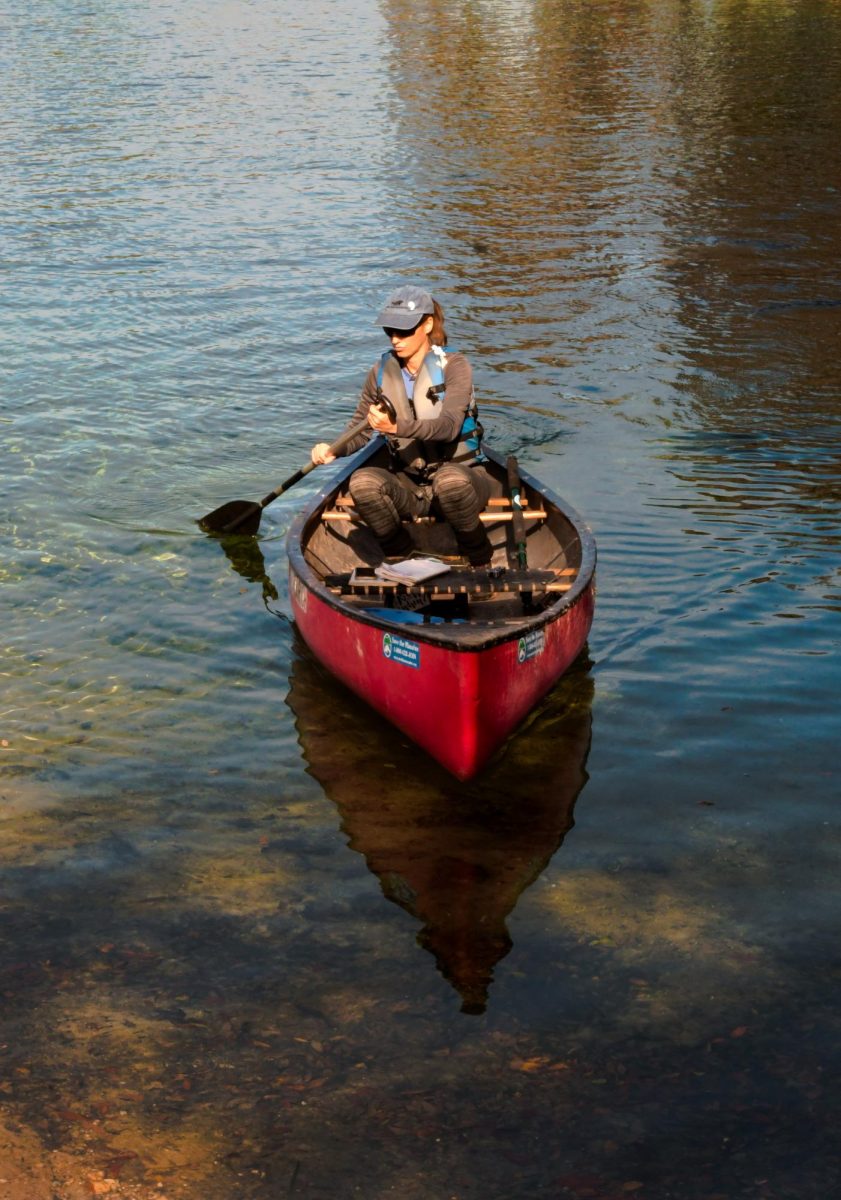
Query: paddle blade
point(237, 516)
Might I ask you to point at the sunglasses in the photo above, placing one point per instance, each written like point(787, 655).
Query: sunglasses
point(403, 333)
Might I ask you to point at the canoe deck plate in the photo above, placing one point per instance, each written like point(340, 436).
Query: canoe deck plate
point(455, 582)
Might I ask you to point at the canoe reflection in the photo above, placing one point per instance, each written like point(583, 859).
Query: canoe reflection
point(455, 856)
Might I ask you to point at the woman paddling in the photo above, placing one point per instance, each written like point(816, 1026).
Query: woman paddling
point(433, 438)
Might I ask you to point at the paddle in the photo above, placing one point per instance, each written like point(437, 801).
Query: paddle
point(243, 516)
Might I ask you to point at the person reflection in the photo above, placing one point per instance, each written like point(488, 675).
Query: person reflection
point(457, 857)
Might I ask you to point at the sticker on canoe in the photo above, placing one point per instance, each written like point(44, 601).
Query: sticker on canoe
point(530, 645)
point(300, 593)
point(401, 650)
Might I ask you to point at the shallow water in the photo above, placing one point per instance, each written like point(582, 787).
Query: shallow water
point(253, 944)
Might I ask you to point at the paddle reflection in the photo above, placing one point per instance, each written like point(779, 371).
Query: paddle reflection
point(246, 558)
point(455, 856)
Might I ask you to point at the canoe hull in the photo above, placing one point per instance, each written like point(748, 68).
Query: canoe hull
point(457, 687)
point(459, 705)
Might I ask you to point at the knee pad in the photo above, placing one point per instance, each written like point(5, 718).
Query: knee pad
point(364, 484)
point(450, 484)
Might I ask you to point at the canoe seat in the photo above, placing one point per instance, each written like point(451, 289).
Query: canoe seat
point(498, 509)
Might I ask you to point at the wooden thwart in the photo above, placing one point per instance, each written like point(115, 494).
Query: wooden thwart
point(494, 502)
point(498, 509)
point(487, 518)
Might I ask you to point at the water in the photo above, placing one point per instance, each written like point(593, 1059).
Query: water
point(252, 943)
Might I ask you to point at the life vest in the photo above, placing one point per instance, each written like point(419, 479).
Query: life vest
point(412, 454)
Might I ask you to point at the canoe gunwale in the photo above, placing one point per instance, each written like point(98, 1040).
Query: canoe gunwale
point(496, 630)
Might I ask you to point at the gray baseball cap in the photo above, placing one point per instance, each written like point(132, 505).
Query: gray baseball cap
point(405, 308)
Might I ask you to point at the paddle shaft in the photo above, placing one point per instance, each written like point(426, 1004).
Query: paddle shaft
point(334, 448)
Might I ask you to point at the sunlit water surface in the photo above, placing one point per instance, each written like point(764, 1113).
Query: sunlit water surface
point(252, 943)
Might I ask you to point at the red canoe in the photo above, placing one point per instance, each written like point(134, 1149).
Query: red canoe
point(456, 662)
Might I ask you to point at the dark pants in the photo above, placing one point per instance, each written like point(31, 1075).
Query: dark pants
point(385, 498)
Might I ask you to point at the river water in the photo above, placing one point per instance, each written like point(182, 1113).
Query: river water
point(253, 944)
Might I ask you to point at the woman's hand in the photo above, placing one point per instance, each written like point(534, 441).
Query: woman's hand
point(320, 454)
point(379, 421)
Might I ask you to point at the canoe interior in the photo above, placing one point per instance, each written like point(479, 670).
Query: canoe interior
point(335, 543)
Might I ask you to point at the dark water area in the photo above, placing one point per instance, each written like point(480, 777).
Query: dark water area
point(253, 944)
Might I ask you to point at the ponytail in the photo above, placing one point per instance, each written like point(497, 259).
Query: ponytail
point(438, 337)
